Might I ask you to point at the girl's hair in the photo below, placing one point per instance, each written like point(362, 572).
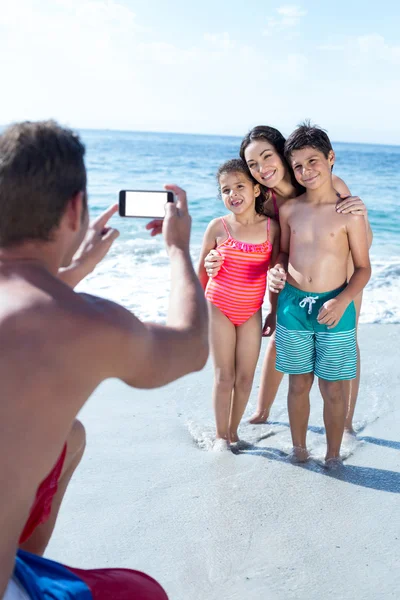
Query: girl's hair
point(274, 137)
point(237, 165)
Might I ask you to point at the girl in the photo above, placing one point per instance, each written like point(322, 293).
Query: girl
point(262, 150)
point(248, 241)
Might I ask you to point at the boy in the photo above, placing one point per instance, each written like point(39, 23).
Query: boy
point(316, 318)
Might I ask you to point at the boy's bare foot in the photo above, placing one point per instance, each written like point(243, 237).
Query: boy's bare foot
point(299, 455)
point(259, 418)
point(233, 438)
point(349, 430)
point(220, 445)
point(333, 463)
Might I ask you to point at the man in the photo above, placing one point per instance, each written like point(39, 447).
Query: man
point(59, 345)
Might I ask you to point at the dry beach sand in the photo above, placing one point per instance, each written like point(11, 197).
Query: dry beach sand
point(150, 494)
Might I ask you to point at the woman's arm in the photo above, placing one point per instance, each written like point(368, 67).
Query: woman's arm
point(351, 204)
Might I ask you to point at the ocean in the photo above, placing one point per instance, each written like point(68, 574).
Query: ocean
point(136, 271)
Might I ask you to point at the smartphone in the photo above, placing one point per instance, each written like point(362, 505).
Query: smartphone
point(140, 203)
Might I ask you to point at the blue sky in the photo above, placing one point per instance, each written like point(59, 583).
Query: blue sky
point(209, 67)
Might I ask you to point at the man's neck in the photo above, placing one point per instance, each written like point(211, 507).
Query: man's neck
point(42, 255)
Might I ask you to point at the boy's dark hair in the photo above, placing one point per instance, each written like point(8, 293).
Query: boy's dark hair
point(237, 165)
point(308, 136)
point(41, 168)
point(274, 137)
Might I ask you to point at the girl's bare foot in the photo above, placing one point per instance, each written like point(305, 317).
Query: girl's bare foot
point(220, 445)
point(259, 418)
point(299, 455)
point(233, 438)
point(333, 463)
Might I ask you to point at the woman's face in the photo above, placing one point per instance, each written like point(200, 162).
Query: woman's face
point(265, 164)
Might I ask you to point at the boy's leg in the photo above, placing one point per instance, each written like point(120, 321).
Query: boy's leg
point(248, 343)
point(37, 542)
point(336, 362)
point(269, 384)
point(223, 344)
point(352, 387)
point(333, 394)
point(299, 412)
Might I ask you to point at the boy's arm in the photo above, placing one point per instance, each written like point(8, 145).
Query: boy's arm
point(147, 355)
point(332, 311)
point(209, 243)
point(351, 204)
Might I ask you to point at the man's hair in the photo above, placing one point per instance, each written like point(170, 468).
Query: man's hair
point(308, 136)
point(41, 168)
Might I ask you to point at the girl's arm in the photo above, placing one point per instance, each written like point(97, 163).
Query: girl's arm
point(351, 204)
point(209, 243)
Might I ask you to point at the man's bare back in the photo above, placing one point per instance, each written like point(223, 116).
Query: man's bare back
point(58, 346)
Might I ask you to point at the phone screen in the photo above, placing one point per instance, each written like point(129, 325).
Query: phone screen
point(143, 203)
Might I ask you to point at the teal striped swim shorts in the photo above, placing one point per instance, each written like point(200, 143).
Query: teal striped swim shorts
point(305, 346)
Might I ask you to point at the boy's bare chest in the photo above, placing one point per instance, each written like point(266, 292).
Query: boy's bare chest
point(318, 225)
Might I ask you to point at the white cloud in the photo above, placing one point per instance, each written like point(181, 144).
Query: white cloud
point(288, 18)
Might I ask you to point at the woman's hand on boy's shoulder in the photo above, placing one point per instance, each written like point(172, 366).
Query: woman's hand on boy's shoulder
point(351, 205)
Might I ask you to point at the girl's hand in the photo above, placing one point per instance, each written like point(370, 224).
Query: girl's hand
point(269, 325)
point(351, 204)
point(331, 312)
point(212, 263)
point(277, 279)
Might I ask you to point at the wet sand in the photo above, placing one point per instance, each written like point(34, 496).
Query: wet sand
point(149, 496)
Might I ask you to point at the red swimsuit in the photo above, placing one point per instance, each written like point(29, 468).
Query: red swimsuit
point(238, 289)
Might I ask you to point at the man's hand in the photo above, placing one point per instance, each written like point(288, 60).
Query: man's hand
point(269, 325)
point(351, 204)
point(213, 263)
point(331, 312)
point(98, 241)
point(177, 222)
point(277, 278)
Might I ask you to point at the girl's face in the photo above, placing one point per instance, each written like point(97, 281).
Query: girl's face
point(238, 192)
point(265, 164)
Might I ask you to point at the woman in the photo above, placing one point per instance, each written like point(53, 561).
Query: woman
point(263, 151)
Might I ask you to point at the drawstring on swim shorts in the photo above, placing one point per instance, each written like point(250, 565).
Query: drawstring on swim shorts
point(310, 300)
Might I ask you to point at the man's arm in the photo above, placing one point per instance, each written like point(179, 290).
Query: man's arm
point(351, 204)
point(146, 355)
point(97, 243)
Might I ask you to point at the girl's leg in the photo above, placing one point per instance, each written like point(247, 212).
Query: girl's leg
point(223, 343)
point(248, 343)
point(351, 387)
point(269, 385)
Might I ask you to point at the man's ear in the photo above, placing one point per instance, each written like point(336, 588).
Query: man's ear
point(74, 211)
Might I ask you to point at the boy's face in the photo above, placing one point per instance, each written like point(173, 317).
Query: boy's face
point(311, 167)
